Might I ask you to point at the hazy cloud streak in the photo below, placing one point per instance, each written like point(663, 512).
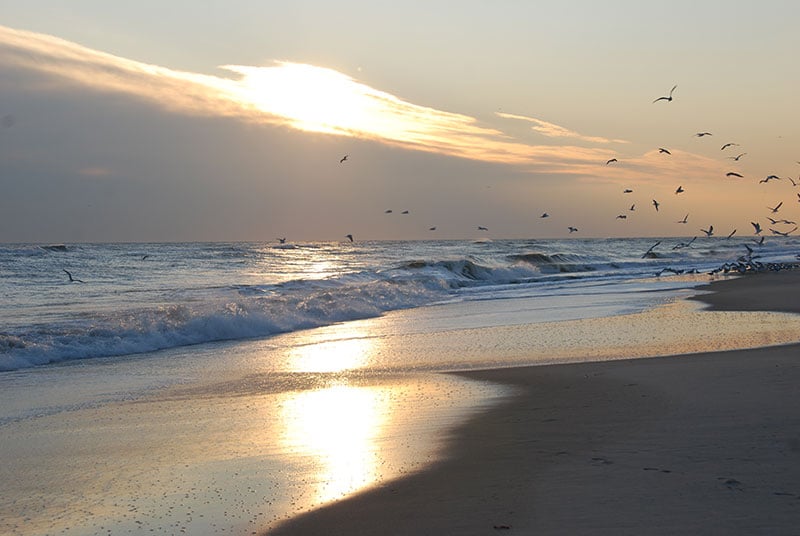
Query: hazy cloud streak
point(299, 96)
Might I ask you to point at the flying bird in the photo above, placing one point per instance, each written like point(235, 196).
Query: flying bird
point(776, 207)
point(633, 207)
point(781, 233)
point(669, 98)
point(611, 160)
point(649, 252)
point(733, 174)
point(680, 190)
point(709, 232)
point(72, 279)
point(482, 228)
point(662, 150)
point(572, 229)
point(701, 134)
point(769, 178)
point(731, 234)
point(684, 220)
point(656, 204)
point(737, 157)
point(350, 237)
point(545, 215)
point(627, 191)
point(756, 226)
point(622, 217)
point(343, 158)
point(729, 145)
point(432, 228)
point(404, 212)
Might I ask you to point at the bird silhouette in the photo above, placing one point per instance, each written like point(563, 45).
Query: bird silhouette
point(680, 190)
point(729, 145)
point(656, 204)
point(668, 98)
point(350, 237)
point(609, 161)
point(709, 232)
point(662, 150)
point(684, 220)
point(756, 226)
point(343, 158)
point(733, 174)
point(737, 157)
point(572, 229)
point(776, 208)
point(72, 279)
point(701, 134)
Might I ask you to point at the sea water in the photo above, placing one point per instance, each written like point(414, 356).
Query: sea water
point(218, 388)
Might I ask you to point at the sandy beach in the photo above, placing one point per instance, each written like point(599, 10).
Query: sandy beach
point(705, 443)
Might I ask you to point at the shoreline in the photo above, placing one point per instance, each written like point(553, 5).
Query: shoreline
point(700, 443)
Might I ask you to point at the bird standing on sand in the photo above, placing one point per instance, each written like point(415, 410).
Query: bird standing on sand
point(668, 98)
point(72, 279)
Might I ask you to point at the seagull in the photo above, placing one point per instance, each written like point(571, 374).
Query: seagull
point(482, 228)
point(389, 211)
point(709, 232)
point(732, 233)
point(622, 217)
point(72, 279)
point(627, 191)
point(756, 226)
point(682, 245)
point(680, 190)
point(662, 150)
point(633, 207)
point(404, 212)
point(760, 241)
point(282, 240)
point(343, 158)
point(649, 252)
point(668, 99)
point(572, 229)
point(733, 174)
point(611, 160)
point(776, 207)
point(769, 178)
point(432, 228)
point(737, 157)
point(787, 233)
point(792, 181)
point(684, 220)
point(701, 134)
point(729, 145)
point(349, 236)
point(773, 222)
point(545, 215)
point(655, 204)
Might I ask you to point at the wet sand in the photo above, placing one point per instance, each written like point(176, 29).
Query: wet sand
point(699, 444)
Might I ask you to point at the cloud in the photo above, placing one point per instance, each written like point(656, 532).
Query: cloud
point(293, 95)
point(551, 130)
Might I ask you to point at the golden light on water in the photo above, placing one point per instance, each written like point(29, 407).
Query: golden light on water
point(335, 430)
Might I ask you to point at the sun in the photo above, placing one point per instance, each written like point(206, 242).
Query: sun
point(311, 98)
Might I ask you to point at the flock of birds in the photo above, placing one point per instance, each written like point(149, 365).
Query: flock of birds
point(709, 232)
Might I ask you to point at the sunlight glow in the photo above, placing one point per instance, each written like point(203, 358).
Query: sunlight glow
point(336, 428)
point(350, 349)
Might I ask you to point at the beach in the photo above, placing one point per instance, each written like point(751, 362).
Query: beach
point(466, 417)
point(707, 443)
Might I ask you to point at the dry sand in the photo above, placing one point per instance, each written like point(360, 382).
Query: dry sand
point(700, 444)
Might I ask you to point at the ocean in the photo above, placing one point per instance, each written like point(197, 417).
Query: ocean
point(209, 388)
point(139, 298)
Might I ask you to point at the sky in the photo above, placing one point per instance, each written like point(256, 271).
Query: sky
point(160, 121)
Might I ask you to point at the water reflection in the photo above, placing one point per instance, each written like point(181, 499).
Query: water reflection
point(334, 349)
point(335, 430)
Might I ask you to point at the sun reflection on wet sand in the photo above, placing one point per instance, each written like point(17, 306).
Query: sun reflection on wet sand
point(336, 429)
point(351, 349)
